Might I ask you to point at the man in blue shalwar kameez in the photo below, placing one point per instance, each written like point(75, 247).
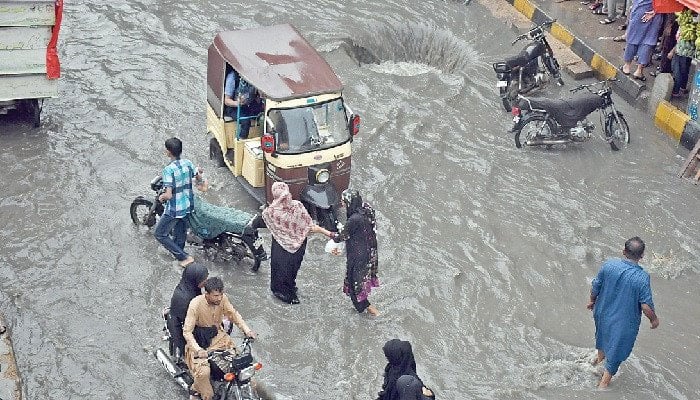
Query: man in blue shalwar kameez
point(620, 293)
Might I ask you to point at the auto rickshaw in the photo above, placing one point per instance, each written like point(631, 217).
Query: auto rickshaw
point(303, 132)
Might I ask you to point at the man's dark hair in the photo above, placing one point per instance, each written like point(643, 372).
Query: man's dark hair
point(174, 146)
point(214, 284)
point(634, 248)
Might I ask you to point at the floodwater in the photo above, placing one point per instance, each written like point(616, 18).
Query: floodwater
point(486, 251)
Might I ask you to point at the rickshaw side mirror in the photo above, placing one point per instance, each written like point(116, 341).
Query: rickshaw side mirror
point(354, 124)
point(267, 142)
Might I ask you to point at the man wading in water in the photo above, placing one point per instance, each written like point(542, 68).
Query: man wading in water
point(620, 293)
point(178, 200)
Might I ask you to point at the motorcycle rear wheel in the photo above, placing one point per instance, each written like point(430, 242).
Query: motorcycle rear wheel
point(533, 126)
point(236, 248)
point(140, 211)
point(617, 133)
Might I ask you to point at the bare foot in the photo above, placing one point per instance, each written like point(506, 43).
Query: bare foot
point(372, 310)
point(600, 356)
point(187, 261)
point(605, 380)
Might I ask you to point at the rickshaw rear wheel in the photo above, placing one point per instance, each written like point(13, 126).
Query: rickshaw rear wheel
point(32, 109)
point(215, 153)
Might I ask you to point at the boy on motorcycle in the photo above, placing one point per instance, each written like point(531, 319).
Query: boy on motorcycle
point(203, 332)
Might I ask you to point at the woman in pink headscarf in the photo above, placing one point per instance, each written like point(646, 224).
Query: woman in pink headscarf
point(290, 224)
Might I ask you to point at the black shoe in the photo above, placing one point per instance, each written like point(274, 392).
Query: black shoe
point(295, 300)
point(282, 297)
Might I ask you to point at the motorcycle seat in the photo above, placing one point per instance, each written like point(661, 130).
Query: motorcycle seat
point(517, 61)
point(568, 111)
point(209, 221)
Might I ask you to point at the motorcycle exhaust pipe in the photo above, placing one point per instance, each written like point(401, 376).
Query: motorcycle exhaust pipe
point(547, 141)
point(174, 371)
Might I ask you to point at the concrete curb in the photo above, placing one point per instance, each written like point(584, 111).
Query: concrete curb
point(677, 124)
point(672, 121)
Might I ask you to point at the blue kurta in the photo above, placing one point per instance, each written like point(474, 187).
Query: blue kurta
point(621, 287)
point(639, 32)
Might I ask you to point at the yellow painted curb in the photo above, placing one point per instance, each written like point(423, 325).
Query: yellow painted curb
point(604, 68)
point(670, 119)
point(562, 34)
point(525, 7)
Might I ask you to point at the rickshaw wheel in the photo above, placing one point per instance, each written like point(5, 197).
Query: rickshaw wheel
point(215, 153)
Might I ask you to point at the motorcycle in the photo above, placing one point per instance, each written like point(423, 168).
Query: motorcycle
point(529, 69)
point(236, 242)
point(231, 372)
point(543, 121)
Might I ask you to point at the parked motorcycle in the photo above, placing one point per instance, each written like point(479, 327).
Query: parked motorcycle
point(232, 238)
point(231, 372)
point(529, 69)
point(542, 121)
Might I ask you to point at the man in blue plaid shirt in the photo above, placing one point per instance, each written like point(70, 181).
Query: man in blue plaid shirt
point(178, 200)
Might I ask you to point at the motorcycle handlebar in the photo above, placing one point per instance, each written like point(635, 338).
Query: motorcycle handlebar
point(534, 30)
point(246, 343)
point(604, 82)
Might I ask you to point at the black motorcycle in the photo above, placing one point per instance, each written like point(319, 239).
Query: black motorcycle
point(231, 372)
point(542, 121)
point(529, 69)
point(231, 244)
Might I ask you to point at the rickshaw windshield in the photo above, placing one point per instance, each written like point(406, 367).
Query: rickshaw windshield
point(315, 127)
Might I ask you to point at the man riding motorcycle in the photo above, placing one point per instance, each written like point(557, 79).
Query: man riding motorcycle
point(203, 332)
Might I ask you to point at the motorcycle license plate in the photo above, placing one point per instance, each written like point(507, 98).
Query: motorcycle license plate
point(257, 243)
point(501, 84)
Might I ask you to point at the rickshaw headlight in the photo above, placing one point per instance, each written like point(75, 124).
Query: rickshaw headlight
point(323, 176)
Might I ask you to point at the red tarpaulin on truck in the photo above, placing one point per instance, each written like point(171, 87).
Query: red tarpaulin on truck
point(53, 65)
point(671, 6)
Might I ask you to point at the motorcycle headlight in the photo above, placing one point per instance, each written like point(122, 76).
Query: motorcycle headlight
point(323, 176)
point(246, 373)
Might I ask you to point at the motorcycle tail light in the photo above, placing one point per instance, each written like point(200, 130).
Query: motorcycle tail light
point(515, 111)
point(230, 376)
point(258, 366)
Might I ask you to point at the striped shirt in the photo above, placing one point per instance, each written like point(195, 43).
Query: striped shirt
point(178, 176)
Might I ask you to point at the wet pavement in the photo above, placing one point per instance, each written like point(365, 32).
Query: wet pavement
point(486, 251)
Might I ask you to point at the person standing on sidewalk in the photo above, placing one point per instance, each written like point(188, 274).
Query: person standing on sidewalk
point(178, 200)
point(642, 35)
point(620, 293)
point(612, 12)
point(680, 66)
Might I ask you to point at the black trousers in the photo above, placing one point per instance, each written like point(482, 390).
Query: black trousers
point(284, 267)
point(360, 306)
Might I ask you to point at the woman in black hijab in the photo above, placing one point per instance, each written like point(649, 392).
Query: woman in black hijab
point(399, 355)
point(190, 286)
point(361, 250)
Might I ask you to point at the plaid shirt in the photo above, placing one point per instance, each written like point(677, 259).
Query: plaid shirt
point(178, 175)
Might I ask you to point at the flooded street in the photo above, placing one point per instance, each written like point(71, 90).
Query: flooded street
point(486, 251)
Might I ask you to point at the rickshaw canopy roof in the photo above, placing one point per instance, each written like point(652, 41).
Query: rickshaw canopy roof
point(278, 61)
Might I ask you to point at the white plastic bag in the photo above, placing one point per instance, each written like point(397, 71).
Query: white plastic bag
point(334, 248)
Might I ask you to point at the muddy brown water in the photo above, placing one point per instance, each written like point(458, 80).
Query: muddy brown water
point(486, 250)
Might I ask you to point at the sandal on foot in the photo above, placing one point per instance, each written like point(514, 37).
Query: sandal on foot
point(639, 77)
point(620, 38)
point(595, 6)
point(622, 69)
point(607, 21)
point(598, 11)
